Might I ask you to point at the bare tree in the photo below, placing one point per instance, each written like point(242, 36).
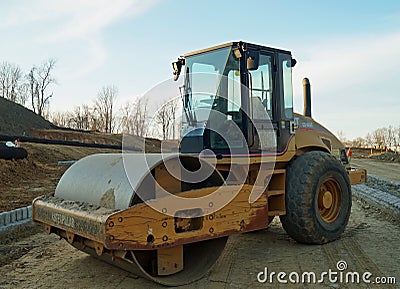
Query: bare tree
point(61, 119)
point(369, 140)
point(104, 105)
point(39, 79)
point(380, 138)
point(23, 93)
point(87, 117)
point(375, 138)
point(10, 82)
point(398, 136)
point(139, 116)
point(133, 117)
point(165, 118)
point(33, 87)
point(390, 136)
point(359, 142)
point(384, 137)
point(77, 118)
point(126, 123)
point(173, 107)
point(340, 136)
point(81, 118)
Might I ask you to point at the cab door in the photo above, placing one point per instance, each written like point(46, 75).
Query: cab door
point(261, 99)
point(271, 103)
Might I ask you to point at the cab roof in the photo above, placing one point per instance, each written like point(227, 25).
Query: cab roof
point(236, 44)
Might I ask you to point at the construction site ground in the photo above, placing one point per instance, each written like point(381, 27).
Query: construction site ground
point(23, 180)
point(385, 170)
point(31, 259)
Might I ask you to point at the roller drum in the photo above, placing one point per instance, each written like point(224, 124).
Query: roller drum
point(102, 180)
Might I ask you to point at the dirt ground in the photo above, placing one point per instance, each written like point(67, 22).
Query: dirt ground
point(385, 170)
point(23, 180)
point(370, 243)
point(31, 259)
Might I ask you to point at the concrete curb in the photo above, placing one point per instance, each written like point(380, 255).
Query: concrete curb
point(15, 217)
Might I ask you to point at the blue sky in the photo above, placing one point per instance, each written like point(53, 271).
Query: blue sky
point(350, 50)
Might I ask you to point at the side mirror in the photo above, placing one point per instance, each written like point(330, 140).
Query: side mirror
point(177, 66)
point(291, 63)
point(253, 59)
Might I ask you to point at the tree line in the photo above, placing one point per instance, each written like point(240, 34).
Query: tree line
point(130, 118)
point(103, 116)
point(34, 91)
point(385, 137)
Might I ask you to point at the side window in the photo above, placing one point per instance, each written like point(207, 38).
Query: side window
point(287, 86)
point(204, 75)
point(261, 89)
point(234, 95)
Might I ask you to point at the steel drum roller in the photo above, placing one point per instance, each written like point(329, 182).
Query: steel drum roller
point(101, 180)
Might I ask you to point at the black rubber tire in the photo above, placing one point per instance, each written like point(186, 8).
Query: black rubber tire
point(304, 177)
point(7, 153)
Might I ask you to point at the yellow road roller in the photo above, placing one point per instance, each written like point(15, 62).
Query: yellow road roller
point(244, 158)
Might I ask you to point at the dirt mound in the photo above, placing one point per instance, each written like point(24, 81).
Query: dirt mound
point(90, 137)
point(23, 180)
point(18, 120)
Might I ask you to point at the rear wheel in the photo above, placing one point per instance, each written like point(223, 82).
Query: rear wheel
point(318, 198)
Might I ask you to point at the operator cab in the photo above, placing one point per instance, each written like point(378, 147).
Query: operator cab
point(236, 97)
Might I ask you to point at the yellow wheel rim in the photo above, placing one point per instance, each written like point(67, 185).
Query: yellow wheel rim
point(329, 200)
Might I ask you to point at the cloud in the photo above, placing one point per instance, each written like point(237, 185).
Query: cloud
point(93, 16)
point(354, 81)
point(63, 21)
point(73, 18)
point(350, 63)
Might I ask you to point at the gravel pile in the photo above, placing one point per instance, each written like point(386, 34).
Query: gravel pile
point(390, 156)
point(381, 193)
point(384, 185)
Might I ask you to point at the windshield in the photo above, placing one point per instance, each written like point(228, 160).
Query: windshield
point(209, 83)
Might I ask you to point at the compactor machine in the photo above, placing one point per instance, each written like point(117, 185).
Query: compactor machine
point(244, 158)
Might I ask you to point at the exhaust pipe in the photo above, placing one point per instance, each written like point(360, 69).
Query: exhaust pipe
point(307, 97)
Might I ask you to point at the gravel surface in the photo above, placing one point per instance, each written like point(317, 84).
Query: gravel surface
point(380, 184)
point(379, 192)
point(388, 202)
